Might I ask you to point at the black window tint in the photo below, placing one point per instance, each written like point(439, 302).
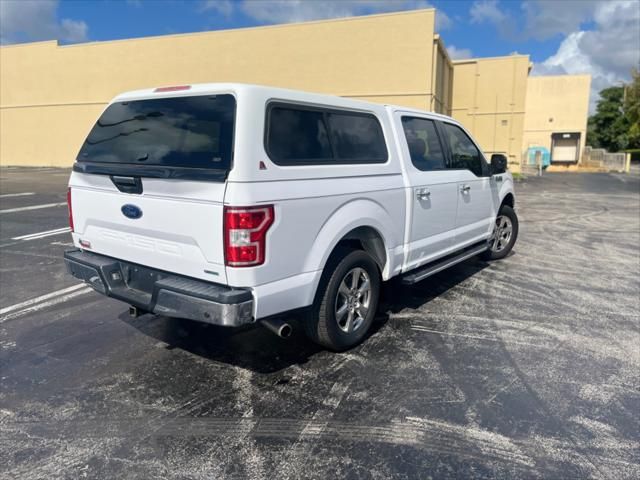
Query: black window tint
point(316, 136)
point(357, 137)
point(297, 136)
point(424, 144)
point(464, 153)
point(192, 131)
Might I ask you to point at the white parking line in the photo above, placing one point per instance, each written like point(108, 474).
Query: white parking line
point(42, 298)
point(48, 233)
point(7, 195)
point(40, 306)
point(33, 207)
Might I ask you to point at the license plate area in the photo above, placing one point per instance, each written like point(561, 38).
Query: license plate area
point(140, 278)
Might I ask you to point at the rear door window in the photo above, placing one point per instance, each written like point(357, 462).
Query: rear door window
point(186, 132)
point(424, 144)
point(298, 135)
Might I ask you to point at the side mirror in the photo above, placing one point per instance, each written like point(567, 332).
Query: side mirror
point(498, 164)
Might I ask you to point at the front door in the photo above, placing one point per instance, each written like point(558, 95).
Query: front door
point(433, 191)
point(475, 213)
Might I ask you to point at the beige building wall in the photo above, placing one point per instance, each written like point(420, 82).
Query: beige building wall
point(489, 100)
point(556, 104)
point(442, 79)
point(51, 95)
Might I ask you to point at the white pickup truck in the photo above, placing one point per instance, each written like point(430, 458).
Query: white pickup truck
point(231, 204)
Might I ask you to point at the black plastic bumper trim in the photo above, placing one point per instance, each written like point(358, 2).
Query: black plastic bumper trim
point(140, 285)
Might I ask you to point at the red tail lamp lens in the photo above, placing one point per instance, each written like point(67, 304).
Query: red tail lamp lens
point(245, 232)
point(70, 208)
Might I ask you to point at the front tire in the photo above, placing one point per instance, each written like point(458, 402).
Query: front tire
point(346, 301)
point(505, 234)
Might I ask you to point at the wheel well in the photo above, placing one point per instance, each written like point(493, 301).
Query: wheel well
point(508, 200)
point(367, 239)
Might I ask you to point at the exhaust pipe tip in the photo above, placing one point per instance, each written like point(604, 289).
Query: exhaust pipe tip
point(285, 330)
point(279, 327)
point(135, 312)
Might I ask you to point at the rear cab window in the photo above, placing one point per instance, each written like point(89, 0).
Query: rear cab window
point(159, 136)
point(300, 135)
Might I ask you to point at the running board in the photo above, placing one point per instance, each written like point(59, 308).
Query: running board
point(432, 268)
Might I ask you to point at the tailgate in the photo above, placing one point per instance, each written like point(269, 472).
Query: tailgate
point(179, 228)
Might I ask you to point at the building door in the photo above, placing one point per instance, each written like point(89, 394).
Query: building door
point(564, 147)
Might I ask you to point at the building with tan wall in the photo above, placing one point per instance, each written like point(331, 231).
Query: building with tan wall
point(489, 96)
point(557, 109)
point(58, 91)
point(50, 95)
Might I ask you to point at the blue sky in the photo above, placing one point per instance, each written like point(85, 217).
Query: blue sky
point(600, 37)
point(115, 19)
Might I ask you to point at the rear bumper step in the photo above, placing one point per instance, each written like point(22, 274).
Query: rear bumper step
point(160, 292)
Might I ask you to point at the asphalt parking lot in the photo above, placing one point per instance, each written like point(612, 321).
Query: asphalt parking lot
point(524, 368)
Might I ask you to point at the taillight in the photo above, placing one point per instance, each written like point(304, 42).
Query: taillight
point(69, 207)
point(245, 234)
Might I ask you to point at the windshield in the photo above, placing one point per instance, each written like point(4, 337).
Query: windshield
point(192, 132)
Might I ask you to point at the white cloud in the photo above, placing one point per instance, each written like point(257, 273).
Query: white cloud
point(223, 7)
point(544, 19)
point(607, 52)
point(459, 53)
point(540, 19)
point(73, 31)
point(489, 11)
point(600, 37)
point(443, 21)
point(486, 11)
point(288, 11)
point(35, 20)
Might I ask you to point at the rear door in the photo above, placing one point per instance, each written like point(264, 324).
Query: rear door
point(149, 183)
point(432, 191)
point(475, 206)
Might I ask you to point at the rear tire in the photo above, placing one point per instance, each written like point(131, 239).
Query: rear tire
point(346, 301)
point(504, 235)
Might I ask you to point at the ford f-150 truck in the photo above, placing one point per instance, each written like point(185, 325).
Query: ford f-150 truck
point(231, 204)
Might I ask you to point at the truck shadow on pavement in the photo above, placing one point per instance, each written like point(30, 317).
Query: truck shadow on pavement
point(258, 350)
point(397, 297)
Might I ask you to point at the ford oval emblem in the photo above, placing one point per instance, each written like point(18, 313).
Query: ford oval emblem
point(131, 211)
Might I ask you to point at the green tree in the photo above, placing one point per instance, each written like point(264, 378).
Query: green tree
point(607, 128)
point(616, 124)
point(632, 110)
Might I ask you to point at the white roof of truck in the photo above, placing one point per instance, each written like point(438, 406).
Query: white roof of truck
point(266, 92)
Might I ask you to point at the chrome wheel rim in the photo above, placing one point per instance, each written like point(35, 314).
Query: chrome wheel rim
point(501, 233)
point(352, 300)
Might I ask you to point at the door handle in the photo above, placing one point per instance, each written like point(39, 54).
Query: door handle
point(498, 178)
point(127, 184)
point(423, 193)
point(465, 188)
